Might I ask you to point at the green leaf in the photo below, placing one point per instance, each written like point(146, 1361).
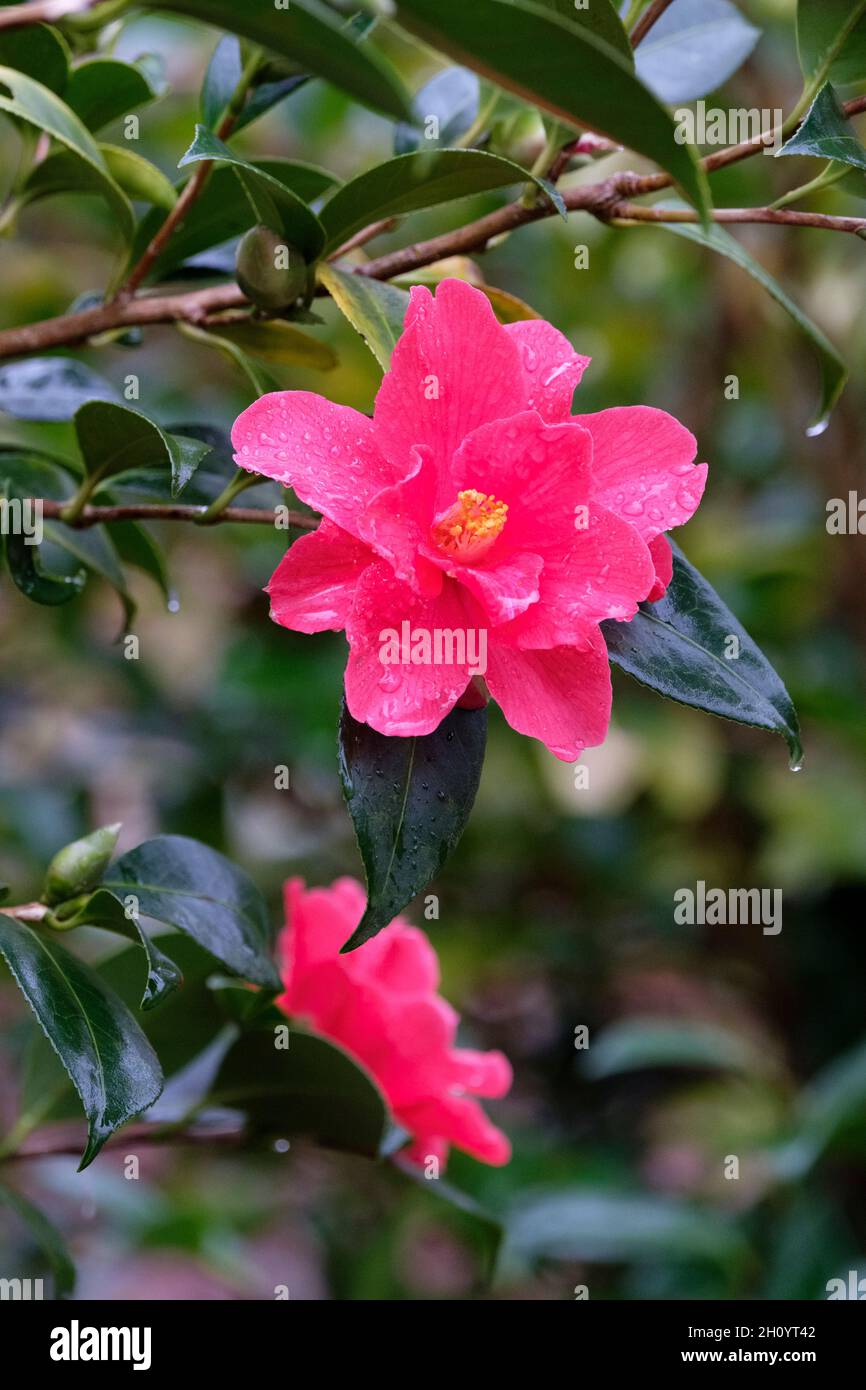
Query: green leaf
point(39, 52)
point(113, 438)
point(50, 388)
point(413, 181)
point(452, 99)
point(375, 309)
point(137, 177)
point(223, 74)
point(279, 342)
point(831, 39)
point(599, 18)
point(602, 1227)
point(29, 101)
point(94, 548)
point(191, 887)
point(109, 1060)
point(101, 90)
point(314, 37)
point(106, 910)
point(677, 647)
point(637, 1043)
point(218, 214)
point(561, 67)
point(693, 48)
point(409, 799)
point(46, 1236)
point(136, 546)
point(834, 373)
point(273, 203)
point(26, 564)
point(827, 133)
point(311, 1088)
point(830, 1109)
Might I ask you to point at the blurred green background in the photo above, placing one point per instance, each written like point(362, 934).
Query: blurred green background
point(556, 911)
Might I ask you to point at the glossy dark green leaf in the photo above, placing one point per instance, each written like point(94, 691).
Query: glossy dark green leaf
point(113, 438)
point(833, 371)
point(693, 48)
point(30, 565)
point(273, 203)
point(29, 101)
point(187, 1021)
point(409, 799)
point(677, 647)
point(374, 308)
point(109, 1060)
point(450, 99)
point(136, 546)
point(831, 38)
point(562, 67)
point(220, 80)
point(313, 36)
point(94, 548)
point(191, 887)
point(50, 388)
point(39, 52)
point(219, 214)
point(312, 1089)
point(46, 1236)
point(106, 910)
point(602, 1227)
point(102, 89)
point(827, 133)
point(413, 181)
point(599, 17)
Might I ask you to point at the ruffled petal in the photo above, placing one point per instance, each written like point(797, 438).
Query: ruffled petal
point(313, 586)
point(393, 695)
point(327, 453)
point(455, 1120)
point(453, 369)
point(663, 559)
point(504, 591)
point(643, 469)
point(561, 696)
point(551, 367)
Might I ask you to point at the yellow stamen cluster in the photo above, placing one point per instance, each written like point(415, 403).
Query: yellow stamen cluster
point(469, 527)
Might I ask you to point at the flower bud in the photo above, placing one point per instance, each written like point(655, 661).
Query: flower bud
point(79, 866)
point(270, 271)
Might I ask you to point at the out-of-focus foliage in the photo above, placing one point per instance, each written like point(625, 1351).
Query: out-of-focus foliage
point(706, 1043)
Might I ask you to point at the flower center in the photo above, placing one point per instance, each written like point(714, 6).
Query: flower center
point(469, 527)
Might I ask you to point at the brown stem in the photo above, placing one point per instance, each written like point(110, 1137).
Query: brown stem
point(784, 217)
point(195, 306)
point(155, 511)
point(647, 20)
point(41, 12)
point(25, 912)
point(60, 1142)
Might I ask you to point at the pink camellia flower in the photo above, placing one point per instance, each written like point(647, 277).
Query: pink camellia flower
point(381, 1006)
point(474, 526)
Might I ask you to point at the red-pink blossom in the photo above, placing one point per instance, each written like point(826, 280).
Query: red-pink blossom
point(475, 503)
point(381, 1005)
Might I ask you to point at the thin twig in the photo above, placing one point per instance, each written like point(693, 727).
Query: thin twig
point(647, 20)
point(93, 515)
point(783, 217)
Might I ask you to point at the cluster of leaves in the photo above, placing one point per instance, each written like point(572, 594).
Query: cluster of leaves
point(218, 956)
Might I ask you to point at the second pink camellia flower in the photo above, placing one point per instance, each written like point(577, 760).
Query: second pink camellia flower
point(474, 526)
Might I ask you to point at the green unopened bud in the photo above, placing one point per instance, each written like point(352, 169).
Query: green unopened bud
point(270, 271)
point(78, 867)
point(68, 914)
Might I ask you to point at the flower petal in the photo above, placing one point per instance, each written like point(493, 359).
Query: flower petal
point(551, 367)
point(325, 452)
point(398, 697)
point(397, 522)
point(453, 369)
point(313, 586)
point(458, 1121)
point(663, 559)
point(561, 696)
point(506, 590)
point(643, 469)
